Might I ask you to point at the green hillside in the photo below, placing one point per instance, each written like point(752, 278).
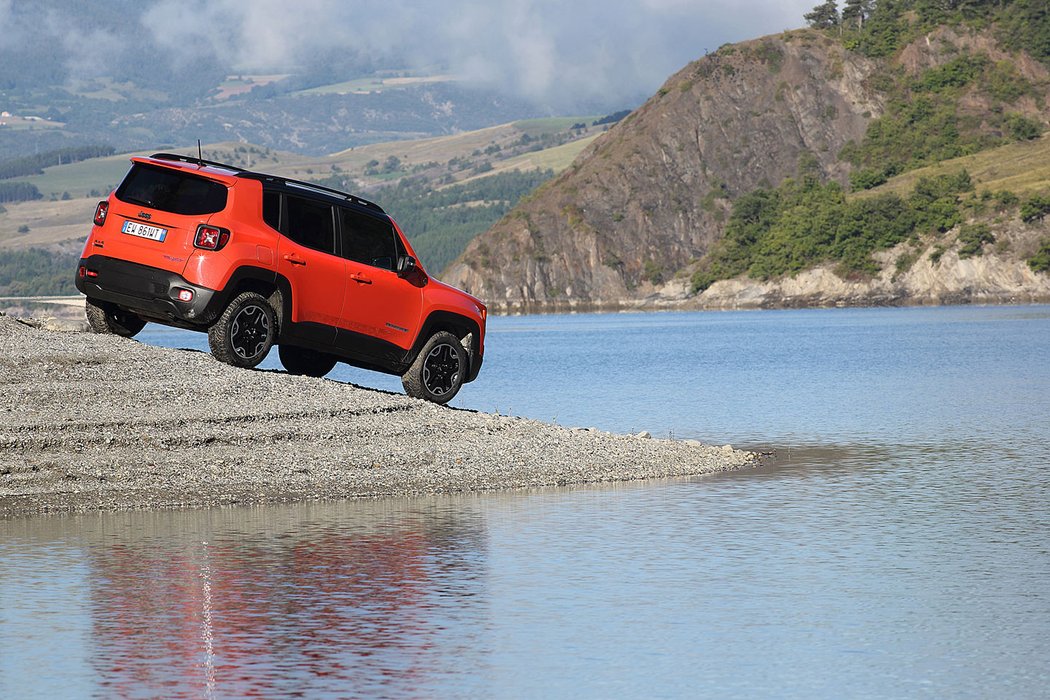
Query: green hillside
point(960, 145)
point(1021, 168)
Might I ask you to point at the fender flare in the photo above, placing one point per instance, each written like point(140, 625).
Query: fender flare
point(247, 278)
point(459, 325)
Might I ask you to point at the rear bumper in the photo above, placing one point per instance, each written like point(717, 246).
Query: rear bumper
point(147, 291)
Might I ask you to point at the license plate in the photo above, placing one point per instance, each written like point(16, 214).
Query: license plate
point(143, 231)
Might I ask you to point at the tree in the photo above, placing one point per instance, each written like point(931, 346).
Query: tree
point(824, 16)
point(856, 11)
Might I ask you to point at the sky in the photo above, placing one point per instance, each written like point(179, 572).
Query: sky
point(552, 51)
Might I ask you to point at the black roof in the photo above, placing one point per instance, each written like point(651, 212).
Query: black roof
point(281, 182)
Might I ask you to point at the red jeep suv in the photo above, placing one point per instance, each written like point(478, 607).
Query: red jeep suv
point(256, 260)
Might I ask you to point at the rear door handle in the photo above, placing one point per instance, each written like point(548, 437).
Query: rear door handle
point(294, 259)
point(357, 277)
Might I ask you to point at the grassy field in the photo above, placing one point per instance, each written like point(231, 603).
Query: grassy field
point(538, 127)
point(494, 144)
point(27, 124)
point(47, 222)
point(240, 84)
point(440, 149)
point(557, 159)
point(1022, 168)
point(78, 179)
point(108, 89)
point(370, 84)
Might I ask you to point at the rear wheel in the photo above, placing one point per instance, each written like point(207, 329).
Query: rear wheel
point(438, 370)
point(244, 333)
point(104, 317)
point(305, 361)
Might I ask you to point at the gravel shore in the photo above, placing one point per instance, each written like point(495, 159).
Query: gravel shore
point(92, 422)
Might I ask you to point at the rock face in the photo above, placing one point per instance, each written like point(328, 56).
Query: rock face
point(652, 193)
point(649, 198)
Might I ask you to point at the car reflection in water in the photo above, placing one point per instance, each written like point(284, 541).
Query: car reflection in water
point(308, 606)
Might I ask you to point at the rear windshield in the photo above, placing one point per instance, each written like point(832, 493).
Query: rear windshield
point(171, 191)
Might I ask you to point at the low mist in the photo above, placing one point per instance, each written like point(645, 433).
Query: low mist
point(561, 55)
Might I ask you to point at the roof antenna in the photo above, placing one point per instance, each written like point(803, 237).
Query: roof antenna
point(200, 154)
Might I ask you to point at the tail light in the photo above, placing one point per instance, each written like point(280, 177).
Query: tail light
point(100, 212)
point(211, 237)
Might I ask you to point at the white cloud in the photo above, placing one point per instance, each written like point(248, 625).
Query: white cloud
point(549, 50)
point(9, 31)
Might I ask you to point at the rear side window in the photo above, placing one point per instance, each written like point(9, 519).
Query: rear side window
point(310, 224)
point(366, 239)
point(272, 209)
point(171, 191)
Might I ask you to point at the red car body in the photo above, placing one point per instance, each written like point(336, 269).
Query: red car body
point(183, 240)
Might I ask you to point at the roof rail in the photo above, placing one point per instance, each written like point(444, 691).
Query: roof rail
point(314, 187)
point(241, 172)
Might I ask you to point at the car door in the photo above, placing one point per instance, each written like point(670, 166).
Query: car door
point(377, 304)
point(306, 257)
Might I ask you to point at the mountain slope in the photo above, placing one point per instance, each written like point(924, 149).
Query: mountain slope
point(642, 209)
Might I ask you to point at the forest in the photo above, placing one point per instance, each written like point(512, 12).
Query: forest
point(880, 28)
point(36, 272)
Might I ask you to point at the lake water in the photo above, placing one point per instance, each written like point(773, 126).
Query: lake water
point(898, 547)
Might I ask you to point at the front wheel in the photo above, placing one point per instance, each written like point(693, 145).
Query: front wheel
point(104, 317)
point(438, 370)
point(305, 361)
point(244, 333)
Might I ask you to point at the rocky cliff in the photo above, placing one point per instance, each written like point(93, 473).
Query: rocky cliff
point(626, 224)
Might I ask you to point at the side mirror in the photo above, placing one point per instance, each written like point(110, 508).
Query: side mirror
point(405, 265)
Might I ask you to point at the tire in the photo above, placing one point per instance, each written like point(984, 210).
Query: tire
point(305, 361)
point(104, 317)
point(438, 370)
point(245, 331)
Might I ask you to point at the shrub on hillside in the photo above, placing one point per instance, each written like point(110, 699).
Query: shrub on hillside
point(805, 222)
point(935, 201)
point(1022, 128)
point(1035, 207)
point(19, 192)
point(1040, 262)
point(973, 237)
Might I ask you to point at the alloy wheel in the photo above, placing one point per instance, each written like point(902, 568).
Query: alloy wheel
point(441, 369)
point(250, 331)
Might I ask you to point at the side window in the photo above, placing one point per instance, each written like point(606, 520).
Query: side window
point(272, 209)
point(310, 223)
point(366, 239)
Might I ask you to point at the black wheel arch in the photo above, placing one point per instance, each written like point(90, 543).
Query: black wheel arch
point(458, 325)
point(260, 280)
